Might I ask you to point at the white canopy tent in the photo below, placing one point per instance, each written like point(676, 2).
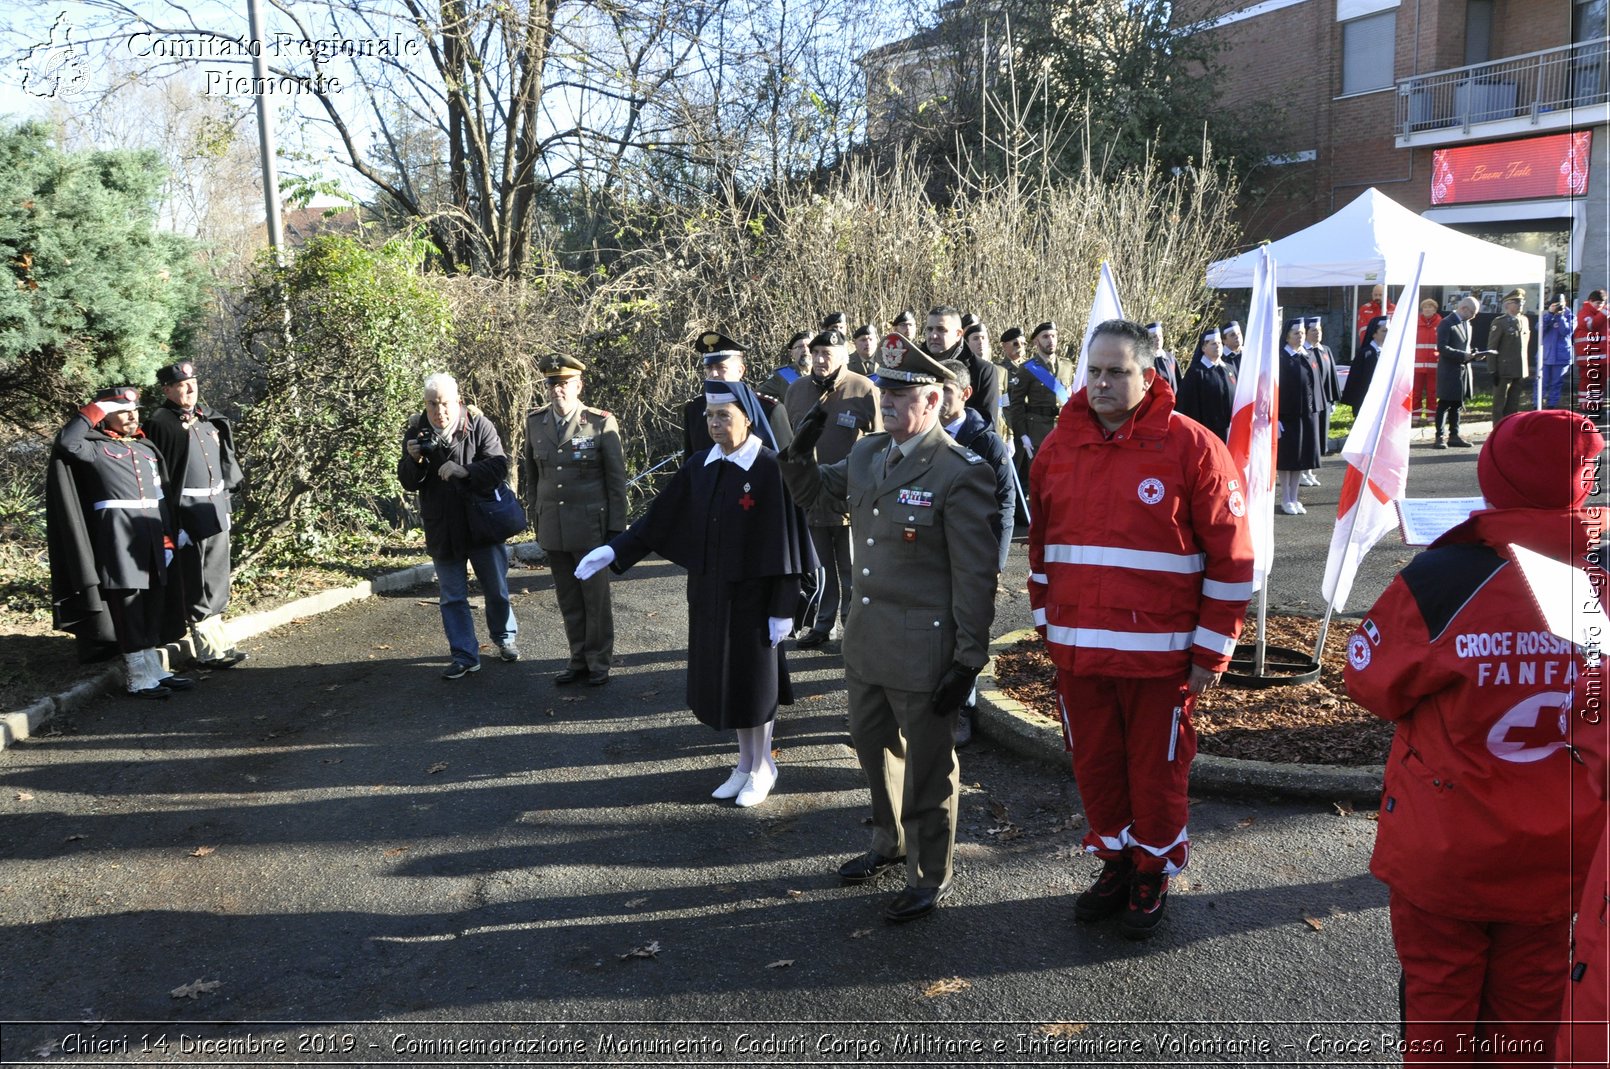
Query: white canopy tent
point(1376, 240)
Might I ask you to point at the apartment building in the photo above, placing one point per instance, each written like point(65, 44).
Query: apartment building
point(1489, 116)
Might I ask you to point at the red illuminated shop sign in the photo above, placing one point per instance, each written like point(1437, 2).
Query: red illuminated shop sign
point(1552, 166)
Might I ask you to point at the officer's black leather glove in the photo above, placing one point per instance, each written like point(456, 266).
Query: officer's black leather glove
point(802, 450)
point(954, 687)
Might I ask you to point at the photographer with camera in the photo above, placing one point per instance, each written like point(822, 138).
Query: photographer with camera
point(1555, 328)
point(450, 453)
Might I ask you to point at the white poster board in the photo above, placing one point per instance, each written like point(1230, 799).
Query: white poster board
point(1423, 520)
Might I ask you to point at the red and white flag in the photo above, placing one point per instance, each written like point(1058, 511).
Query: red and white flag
point(1377, 452)
point(1252, 416)
point(1105, 306)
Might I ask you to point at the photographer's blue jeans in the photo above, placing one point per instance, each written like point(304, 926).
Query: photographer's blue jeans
point(491, 564)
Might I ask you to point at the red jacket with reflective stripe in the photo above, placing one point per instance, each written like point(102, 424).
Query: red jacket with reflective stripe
point(1484, 815)
point(1139, 553)
point(1425, 340)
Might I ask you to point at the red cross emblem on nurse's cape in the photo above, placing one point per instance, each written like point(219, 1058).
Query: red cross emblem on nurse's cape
point(746, 501)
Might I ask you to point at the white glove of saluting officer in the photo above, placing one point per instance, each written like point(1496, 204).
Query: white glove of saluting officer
point(124, 400)
point(780, 627)
point(595, 562)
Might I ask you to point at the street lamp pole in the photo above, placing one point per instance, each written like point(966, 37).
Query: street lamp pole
point(265, 134)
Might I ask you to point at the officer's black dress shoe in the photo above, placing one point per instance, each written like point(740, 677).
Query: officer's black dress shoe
point(811, 639)
point(598, 679)
point(869, 866)
point(915, 902)
point(176, 682)
point(569, 676)
point(150, 693)
point(228, 660)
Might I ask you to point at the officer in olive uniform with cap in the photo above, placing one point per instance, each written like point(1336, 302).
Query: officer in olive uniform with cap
point(862, 360)
point(198, 447)
point(1036, 391)
point(918, 633)
point(574, 476)
point(796, 362)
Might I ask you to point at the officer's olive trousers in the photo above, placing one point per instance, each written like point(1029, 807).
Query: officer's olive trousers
point(589, 615)
point(909, 757)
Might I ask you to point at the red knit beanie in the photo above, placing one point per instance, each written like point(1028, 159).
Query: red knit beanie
point(1539, 460)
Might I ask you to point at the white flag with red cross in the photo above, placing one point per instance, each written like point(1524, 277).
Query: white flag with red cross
point(1377, 452)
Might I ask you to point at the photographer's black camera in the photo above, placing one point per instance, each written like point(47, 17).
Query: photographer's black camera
point(430, 444)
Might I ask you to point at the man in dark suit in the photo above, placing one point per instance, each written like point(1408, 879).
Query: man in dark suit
point(918, 634)
point(1454, 381)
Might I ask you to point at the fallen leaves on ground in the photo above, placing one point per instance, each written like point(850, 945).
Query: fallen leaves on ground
point(1246, 822)
point(647, 950)
point(781, 963)
point(1310, 722)
point(1063, 1029)
point(440, 766)
point(999, 810)
point(794, 894)
point(75, 838)
point(1005, 832)
point(1313, 922)
point(195, 988)
point(330, 761)
point(940, 988)
point(202, 851)
point(380, 646)
point(395, 851)
point(860, 933)
point(1344, 808)
point(633, 903)
point(24, 796)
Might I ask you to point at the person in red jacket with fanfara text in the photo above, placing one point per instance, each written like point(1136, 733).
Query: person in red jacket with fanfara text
point(1141, 568)
point(1486, 822)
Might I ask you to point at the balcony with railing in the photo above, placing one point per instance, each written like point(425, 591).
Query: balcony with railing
point(1554, 89)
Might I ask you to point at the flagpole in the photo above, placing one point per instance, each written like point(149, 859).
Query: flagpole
point(1369, 466)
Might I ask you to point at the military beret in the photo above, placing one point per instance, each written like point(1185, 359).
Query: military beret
point(715, 346)
point(968, 320)
point(1049, 324)
point(975, 327)
point(836, 321)
point(1012, 334)
point(167, 376)
point(907, 316)
point(560, 366)
point(795, 338)
point(827, 338)
point(863, 331)
point(902, 365)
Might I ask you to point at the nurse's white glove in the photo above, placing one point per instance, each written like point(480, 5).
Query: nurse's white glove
point(595, 562)
point(781, 627)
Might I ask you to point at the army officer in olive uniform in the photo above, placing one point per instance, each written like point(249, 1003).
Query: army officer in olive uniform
point(574, 477)
point(918, 633)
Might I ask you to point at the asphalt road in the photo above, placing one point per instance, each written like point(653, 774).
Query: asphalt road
point(331, 833)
